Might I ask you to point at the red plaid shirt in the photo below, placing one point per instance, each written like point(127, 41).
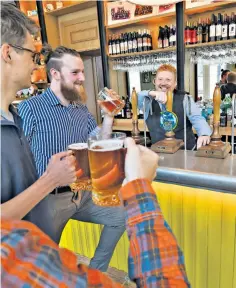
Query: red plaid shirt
point(31, 259)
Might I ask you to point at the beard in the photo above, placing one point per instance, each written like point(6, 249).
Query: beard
point(70, 94)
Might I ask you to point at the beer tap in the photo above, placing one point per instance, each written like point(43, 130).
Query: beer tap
point(169, 121)
point(135, 130)
point(232, 131)
point(216, 148)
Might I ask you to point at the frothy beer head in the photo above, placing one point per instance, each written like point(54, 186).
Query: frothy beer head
point(107, 145)
point(78, 146)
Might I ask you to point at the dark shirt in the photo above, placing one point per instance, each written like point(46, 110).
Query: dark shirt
point(18, 170)
point(229, 88)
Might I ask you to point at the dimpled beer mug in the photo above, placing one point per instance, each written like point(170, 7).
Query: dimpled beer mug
point(83, 182)
point(110, 101)
point(107, 161)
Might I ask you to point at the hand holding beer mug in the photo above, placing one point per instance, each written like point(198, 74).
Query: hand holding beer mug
point(110, 101)
point(107, 161)
point(83, 182)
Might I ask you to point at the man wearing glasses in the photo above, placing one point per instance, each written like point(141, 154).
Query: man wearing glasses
point(20, 189)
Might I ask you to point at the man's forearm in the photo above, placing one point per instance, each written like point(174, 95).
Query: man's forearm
point(154, 257)
point(107, 125)
point(19, 206)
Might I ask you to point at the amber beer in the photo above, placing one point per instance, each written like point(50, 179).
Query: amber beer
point(106, 159)
point(110, 101)
point(83, 182)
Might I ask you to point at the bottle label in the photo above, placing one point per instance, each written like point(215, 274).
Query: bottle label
point(140, 43)
point(232, 29)
point(125, 47)
point(135, 44)
point(149, 42)
point(224, 31)
point(212, 31)
point(130, 45)
point(128, 114)
point(118, 48)
point(218, 30)
point(114, 49)
point(160, 44)
point(144, 42)
point(122, 47)
point(110, 49)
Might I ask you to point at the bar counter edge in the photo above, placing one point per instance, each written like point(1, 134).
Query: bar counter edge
point(184, 168)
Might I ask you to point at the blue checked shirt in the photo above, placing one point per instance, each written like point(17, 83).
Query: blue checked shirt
point(50, 127)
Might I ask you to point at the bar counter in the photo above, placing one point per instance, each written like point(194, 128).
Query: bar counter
point(184, 168)
point(197, 198)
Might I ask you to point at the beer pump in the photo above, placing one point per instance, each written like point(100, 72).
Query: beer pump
point(168, 122)
point(135, 130)
point(216, 148)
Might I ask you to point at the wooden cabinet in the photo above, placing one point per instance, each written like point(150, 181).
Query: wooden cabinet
point(81, 33)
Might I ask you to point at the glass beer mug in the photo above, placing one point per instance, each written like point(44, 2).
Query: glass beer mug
point(110, 101)
point(83, 182)
point(107, 161)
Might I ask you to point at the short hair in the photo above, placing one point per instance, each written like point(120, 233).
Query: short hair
point(167, 67)
point(224, 72)
point(231, 77)
point(15, 25)
point(52, 58)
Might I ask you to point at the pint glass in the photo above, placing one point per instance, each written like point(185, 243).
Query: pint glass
point(107, 161)
point(110, 101)
point(83, 182)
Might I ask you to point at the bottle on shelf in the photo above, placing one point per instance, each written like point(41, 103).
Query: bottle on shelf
point(140, 41)
point(194, 33)
point(125, 43)
point(232, 27)
point(165, 38)
point(187, 34)
point(121, 43)
point(225, 28)
point(130, 43)
point(160, 37)
point(145, 41)
point(128, 109)
point(114, 45)
point(117, 45)
point(110, 45)
point(219, 28)
point(212, 29)
point(149, 40)
point(172, 39)
point(135, 43)
point(199, 32)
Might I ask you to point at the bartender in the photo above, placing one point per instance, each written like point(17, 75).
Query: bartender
point(154, 102)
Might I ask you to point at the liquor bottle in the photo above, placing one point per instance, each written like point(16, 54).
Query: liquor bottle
point(149, 40)
point(140, 41)
point(145, 43)
point(208, 30)
point(130, 43)
point(219, 28)
point(223, 119)
point(125, 43)
point(117, 45)
point(171, 37)
point(128, 114)
point(199, 31)
point(187, 34)
point(110, 45)
point(232, 27)
point(135, 44)
point(160, 37)
point(174, 35)
point(212, 29)
point(114, 45)
point(194, 33)
point(165, 39)
point(225, 28)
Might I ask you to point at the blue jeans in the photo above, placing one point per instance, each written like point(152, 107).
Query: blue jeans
point(52, 214)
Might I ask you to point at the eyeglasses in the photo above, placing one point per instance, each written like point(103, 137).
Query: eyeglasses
point(35, 56)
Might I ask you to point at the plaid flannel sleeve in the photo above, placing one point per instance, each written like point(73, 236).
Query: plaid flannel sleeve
point(29, 258)
point(155, 259)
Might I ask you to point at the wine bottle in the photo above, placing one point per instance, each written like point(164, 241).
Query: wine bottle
point(160, 37)
point(140, 41)
point(219, 28)
point(114, 45)
point(110, 45)
point(225, 28)
point(232, 27)
point(135, 44)
point(213, 29)
point(199, 31)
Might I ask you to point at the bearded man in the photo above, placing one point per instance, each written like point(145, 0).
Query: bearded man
point(51, 122)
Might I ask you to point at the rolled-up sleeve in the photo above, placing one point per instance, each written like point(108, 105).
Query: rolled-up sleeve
point(93, 128)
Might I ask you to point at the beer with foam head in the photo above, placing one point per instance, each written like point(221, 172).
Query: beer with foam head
point(80, 151)
point(107, 161)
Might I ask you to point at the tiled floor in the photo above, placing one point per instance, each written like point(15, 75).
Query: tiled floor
point(115, 274)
